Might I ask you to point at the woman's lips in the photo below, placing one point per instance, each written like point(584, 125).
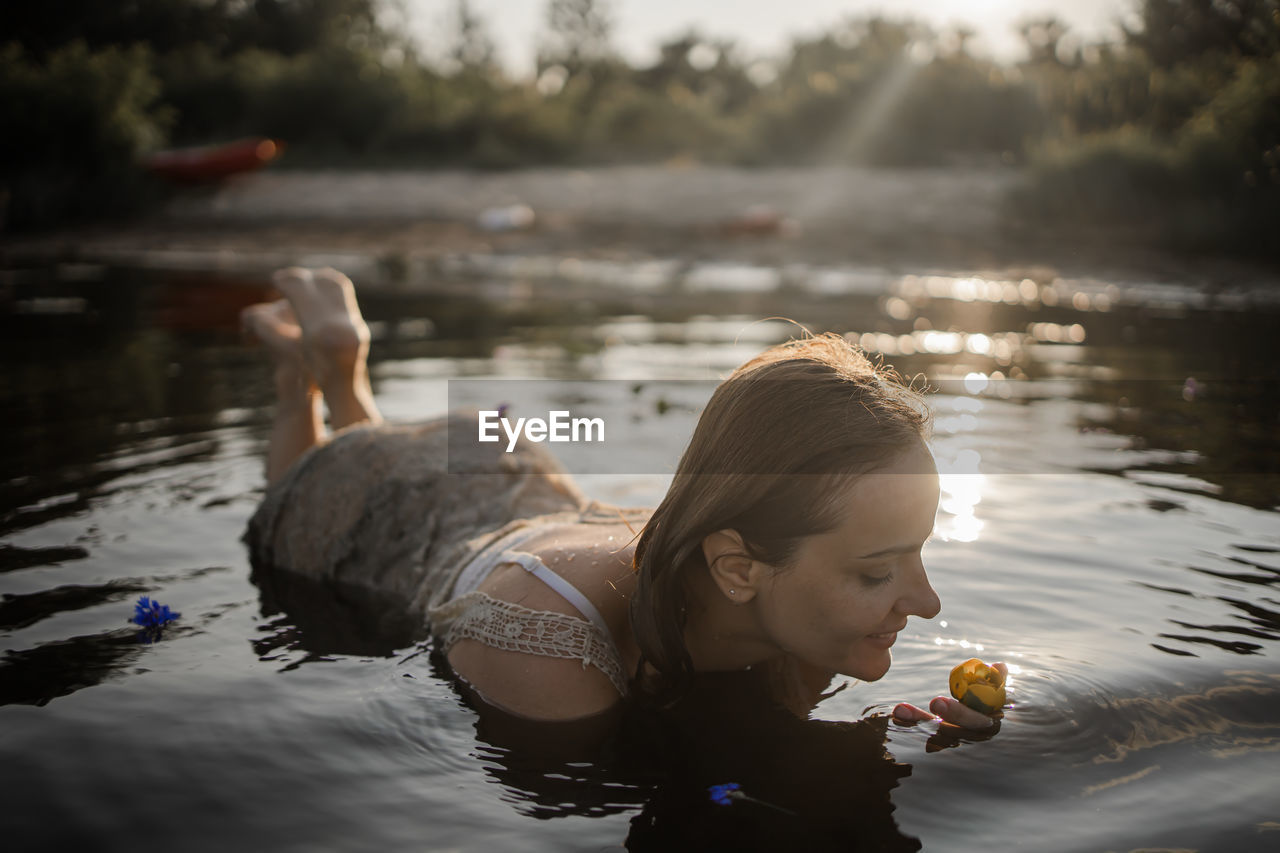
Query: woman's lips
point(886, 639)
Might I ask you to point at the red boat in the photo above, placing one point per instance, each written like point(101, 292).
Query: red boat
point(210, 163)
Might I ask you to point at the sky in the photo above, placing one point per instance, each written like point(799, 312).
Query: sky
point(762, 28)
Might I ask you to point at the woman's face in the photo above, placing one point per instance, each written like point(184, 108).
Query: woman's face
point(847, 593)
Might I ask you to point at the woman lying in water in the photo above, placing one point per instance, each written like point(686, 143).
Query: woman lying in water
point(790, 537)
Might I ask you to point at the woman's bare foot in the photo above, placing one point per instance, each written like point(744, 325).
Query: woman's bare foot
point(274, 325)
point(334, 340)
point(296, 425)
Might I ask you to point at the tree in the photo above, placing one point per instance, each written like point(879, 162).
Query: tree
point(1043, 38)
point(1175, 31)
point(579, 34)
point(703, 66)
point(472, 49)
point(289, 27)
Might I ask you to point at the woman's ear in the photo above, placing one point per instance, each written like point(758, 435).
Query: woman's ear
point(731, 568)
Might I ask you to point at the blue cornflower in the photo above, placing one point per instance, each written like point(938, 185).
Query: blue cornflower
point(152, 614)
point(723, 795)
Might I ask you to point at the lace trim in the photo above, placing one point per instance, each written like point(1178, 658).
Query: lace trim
point(512, 628)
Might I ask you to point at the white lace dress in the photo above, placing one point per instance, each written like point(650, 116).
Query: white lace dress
point(386, 508)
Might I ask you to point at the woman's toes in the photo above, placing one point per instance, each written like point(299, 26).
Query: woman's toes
point(272, 324)
point(297, 285)
point(338, 295)
point(332, 276)
point(291, 275)
point(278, 314)
point(335, 330)
point(251, 320)
point(333, 336)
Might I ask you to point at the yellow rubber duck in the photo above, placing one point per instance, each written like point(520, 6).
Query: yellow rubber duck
point(979, 686)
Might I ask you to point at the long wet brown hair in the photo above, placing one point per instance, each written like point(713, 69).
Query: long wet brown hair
point(778, 444)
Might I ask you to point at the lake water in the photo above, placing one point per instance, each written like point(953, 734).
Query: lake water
point(1111, 475)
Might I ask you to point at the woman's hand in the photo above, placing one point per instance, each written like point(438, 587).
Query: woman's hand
point(948, 710)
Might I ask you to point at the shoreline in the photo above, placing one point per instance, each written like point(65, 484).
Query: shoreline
point(904, 221)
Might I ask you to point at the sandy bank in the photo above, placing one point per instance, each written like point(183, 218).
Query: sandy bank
point(905, 219)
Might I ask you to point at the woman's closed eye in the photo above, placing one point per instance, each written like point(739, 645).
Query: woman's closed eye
point(877, 577)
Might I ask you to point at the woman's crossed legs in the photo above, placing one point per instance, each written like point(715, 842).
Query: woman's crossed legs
point(319, 344)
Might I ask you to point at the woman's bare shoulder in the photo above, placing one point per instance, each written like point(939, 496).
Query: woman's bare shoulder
point(594, 559)
point(533, 686)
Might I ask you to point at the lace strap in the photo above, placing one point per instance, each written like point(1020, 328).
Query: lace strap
point(534, 566)
point(510, 627)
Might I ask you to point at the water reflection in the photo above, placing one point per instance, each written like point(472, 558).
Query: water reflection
point(961, 484)
point(1224, 717)
point(13, 558)
point(828, 782)
point(828, 785)
point(20, 611)
point(310, 620)
point(1109, 447)
point(37, 675)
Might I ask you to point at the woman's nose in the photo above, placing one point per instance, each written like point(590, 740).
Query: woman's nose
point(920, 599)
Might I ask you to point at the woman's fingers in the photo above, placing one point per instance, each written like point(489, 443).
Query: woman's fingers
point(905, 712)
point(944, 710)
point(957, 713)
point(948, 710)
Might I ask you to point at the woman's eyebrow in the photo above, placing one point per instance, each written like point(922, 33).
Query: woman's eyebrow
point(897, 549)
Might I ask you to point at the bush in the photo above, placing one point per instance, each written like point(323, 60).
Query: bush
point(636, 124)
point(893, 111)
point(530, 128)
point(1233, 143)
point(957, 107)
point(1120, 89)
point(209, 94)
point(333, 99)
point(75, 125)
point(1214, 185)
point(1119, 174)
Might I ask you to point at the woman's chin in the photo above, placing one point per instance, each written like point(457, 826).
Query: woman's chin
point(869, 670)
